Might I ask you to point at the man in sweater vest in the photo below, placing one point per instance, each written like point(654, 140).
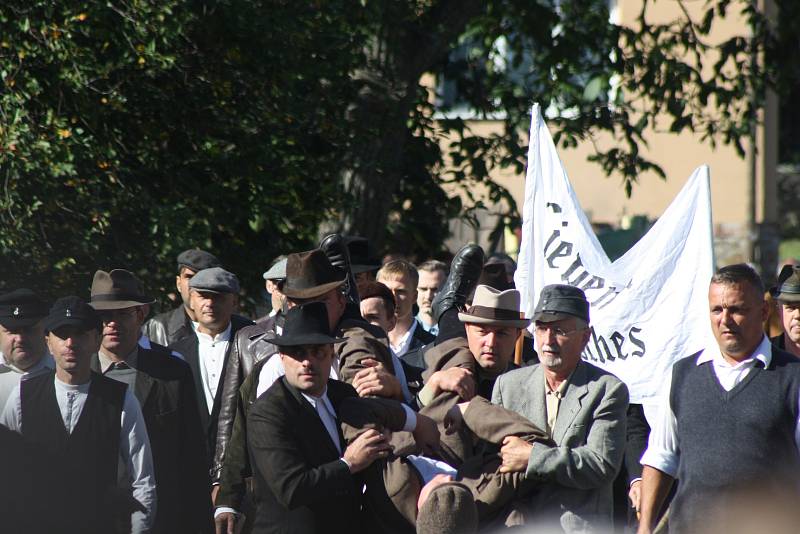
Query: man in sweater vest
point(91, 426)
point(730, 424)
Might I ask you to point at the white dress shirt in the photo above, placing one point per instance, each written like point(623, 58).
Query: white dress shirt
point(134, 444)
point(211, 352)
point(662, 447)
point(405, 342)
point(10, 375)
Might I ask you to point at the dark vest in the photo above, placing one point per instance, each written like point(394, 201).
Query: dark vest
point(88, 458)
point(732, 441)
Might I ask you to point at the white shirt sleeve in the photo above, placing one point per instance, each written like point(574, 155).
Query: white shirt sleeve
point(12, 413)
point(134, 450)
point(662, 446)
point(411, 419)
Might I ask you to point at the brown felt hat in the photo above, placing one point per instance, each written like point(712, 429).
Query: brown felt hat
point(449, 509)
point(310, 275)
point(117, 290)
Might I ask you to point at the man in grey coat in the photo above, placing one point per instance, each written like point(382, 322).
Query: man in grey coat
point(581, 406)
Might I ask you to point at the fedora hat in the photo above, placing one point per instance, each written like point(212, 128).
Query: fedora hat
point(310, 274)
point(117, 290)
point(495, 308)
point(788, 288)
point(306, 324)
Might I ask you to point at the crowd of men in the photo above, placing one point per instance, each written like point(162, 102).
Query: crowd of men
point(384, 398)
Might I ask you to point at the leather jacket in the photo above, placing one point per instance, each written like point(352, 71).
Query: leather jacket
point(249, 347)
point(168, 327)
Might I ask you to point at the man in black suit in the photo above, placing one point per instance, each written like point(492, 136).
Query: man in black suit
point(308, 479)
point(213, 295)
point(164, 387)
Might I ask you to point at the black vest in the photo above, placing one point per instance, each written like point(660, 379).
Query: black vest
point(732, 441)
point(87, 458)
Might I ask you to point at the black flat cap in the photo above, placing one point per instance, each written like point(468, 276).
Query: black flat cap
point(215, 280)
point(197, 260)
point(21, 308)
point(788, 288)
point(559, 299)
point(72, 311)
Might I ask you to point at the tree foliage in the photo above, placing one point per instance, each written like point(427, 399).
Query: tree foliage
point(133, 129)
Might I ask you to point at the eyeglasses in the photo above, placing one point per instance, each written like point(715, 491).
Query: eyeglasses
point(543, 330)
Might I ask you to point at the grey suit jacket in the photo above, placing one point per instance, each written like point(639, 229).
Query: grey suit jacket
point(578, 473)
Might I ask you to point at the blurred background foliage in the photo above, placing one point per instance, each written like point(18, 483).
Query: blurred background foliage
point(133, 129)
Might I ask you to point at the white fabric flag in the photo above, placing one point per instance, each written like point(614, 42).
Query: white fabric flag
point(649, 307)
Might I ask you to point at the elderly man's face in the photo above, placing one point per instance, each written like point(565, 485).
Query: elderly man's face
point(492, 346)
point(23, 346)
point(737, 314)
point(561, 343)
point(790, 316)
point(308, 367)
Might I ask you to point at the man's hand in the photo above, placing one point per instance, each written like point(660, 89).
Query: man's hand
point(375, 380)
point(635, 495)
point(365, 449)
point(426, 433)
point(454, 418)
point(225, 523)
point(456, 380)
point(515, 453)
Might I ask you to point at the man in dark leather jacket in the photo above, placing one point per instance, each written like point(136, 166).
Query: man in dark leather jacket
point(168, 327)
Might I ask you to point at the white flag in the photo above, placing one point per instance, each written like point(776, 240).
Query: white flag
point(649, 307)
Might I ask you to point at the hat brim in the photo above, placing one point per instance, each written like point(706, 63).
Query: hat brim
point(550, 316)
point(310, 292)
point(363, 268)
point(19, 322)
point(118, 304)
point(303, 339)
point(84, 324)
point(786, 297)
point(474, 319)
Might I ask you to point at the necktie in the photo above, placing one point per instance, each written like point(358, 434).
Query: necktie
point(329, 421)
point(71, 396)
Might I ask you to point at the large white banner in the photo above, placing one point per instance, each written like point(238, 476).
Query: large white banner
point(649, 307)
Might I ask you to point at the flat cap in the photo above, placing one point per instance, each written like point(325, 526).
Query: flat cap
point(215, 280)
point(277, 271)
point(21, 308)
point(449, 509)
point(72, 311)
point(197, 260)
point(558, 299)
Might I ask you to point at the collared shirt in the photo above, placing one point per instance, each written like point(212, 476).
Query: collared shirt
point(11, 375)
point(121, 371)
point(134, 444)
point(211, 352)
point(431, 328)
point(405, 341)
point(553, 402)
point(662, 447)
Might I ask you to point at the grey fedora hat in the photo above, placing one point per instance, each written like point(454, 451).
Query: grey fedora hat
point(788, 288)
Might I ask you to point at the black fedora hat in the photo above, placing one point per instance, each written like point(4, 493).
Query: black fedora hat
point(362, 258)
point(788, 288)
point(306, 324)
point(310, 274)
